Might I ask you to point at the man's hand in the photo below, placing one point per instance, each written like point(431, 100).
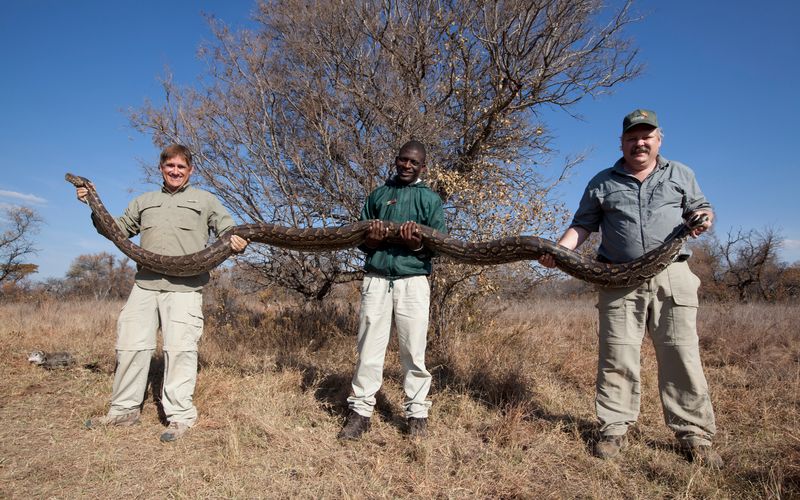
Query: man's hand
point(547, 260)
point(376, 234)
point(238, 244)
point(81, 193)
point(411, 236)
point(705, 226)
point(572, 238)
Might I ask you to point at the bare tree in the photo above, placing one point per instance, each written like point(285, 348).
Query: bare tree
point(298, 120)
point(16, 243)
point(100, 276)
point(752, 267)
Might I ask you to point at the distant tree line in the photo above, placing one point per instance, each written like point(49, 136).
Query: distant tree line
point(744, 267)
point(99, 276)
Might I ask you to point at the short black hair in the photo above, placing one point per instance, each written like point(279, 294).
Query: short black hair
point(416, 145)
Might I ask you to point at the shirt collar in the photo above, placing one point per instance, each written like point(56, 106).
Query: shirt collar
point(180, 190)
point(619, 166)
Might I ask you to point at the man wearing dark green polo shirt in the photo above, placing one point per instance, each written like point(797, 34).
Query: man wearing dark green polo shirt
point(175, 220)
point(635, 205)
point(396, 286)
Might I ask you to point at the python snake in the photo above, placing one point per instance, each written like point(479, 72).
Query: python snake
point(499, 251)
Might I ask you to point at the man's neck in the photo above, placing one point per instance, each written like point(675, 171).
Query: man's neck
point(641, 174)
point(176, 190)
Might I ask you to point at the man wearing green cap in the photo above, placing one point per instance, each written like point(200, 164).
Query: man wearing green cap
point(635, 205)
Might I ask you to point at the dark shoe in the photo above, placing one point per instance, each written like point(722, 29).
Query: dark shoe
point(704, 455)
point(610, 446)
point(174, 432)
point(417, 427)
point(355, 426)
point(125, 420)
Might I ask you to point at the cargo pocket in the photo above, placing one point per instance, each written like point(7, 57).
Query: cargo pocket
point(683, 284)
point(619, 321)
point(185, 326)
point(678, 325)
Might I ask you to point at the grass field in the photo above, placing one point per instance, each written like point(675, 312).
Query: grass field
point(512, 416)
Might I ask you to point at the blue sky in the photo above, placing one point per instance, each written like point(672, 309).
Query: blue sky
point(721, 75)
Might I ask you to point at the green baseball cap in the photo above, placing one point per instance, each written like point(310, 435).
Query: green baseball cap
point(639, 117)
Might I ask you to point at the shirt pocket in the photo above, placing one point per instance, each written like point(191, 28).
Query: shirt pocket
point(620, 213)
point(666, 194)
point(151, 213)
point(188, 216)
point(624, 200)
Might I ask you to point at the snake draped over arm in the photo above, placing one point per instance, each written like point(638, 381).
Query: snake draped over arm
point(499, 251)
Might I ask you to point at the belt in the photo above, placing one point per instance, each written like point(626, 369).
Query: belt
point(679, 258)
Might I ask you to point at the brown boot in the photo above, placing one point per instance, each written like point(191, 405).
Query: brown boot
point(417, 427)
point(704, 455)
point(610, 446)
point(124, 420)
point(355, 426)
point(174, 432)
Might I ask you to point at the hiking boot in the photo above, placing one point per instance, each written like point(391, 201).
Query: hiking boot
point(417, 427)
point(124, 420)
point(355, 426)
point(704, 455)
point(610, 446)
point(174, 432)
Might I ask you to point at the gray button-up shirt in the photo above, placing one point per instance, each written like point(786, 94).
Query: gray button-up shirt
point(636, 217)
point(174, 224)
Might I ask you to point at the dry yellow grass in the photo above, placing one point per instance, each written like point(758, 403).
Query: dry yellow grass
point(512, 416)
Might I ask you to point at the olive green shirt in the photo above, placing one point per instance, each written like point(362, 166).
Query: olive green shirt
point(174, 224)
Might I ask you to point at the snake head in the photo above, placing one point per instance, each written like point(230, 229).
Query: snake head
point(696, 220)
point(78, 181)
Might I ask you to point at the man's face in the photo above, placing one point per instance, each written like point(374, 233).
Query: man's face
point(409, 163)
point(176, 172)
point(640, 146)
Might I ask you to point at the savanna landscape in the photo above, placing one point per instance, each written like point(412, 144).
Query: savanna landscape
point(294, 116)
point(512, 412)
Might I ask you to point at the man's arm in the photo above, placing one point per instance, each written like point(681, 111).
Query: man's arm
point(696, 203)
point(220, 222)
point(433, 219)
point(572, 238)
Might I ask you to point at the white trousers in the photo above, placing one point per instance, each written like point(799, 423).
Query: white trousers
point(179, 315)
point(408, 299)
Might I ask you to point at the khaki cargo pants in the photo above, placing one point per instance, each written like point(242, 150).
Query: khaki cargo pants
point(179, 315)
point(666, 307)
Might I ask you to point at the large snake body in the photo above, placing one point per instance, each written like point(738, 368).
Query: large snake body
point(499, 251)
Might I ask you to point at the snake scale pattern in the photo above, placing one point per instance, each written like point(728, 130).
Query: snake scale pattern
point(493, 252)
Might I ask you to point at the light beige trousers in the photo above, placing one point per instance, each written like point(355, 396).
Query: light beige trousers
point(179, 315)
point(408, 299)
point(666, 307)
